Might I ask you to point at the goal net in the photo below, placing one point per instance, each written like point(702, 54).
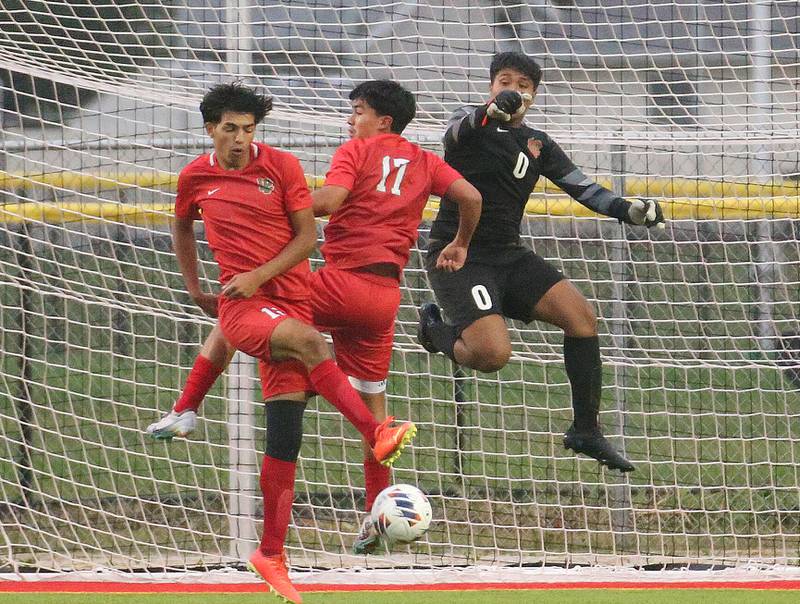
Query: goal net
point(693, 103)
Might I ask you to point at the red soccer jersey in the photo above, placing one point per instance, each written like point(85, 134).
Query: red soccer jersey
point(246, 213)
point(390, 180)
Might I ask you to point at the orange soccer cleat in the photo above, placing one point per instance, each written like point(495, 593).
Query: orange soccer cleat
point(390, 440)
point(273, 570)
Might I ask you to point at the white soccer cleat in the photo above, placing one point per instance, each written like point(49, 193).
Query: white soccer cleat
point(173, 424)
point(368, 539)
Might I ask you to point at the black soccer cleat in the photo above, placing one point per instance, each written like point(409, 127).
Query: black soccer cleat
point(429, 314)
point(595, 445)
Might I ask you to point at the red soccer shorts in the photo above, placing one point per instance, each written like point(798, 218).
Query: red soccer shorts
point(358, 309)
point(248, 323)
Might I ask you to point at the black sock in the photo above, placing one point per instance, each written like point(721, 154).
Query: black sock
point(444, 338)
point(585, 373)
point(284, 429)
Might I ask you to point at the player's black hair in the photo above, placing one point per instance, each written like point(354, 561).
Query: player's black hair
point(235, 97)
point(518, 62)
point(387, 97)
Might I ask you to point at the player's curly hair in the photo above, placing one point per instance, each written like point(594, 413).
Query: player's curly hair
point(387, 97)
point(235, 97)
point(518, 62)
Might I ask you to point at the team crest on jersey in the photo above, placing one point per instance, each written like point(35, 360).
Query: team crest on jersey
point(265, 185)
point(535, 147)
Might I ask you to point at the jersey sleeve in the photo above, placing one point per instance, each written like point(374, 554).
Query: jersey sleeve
point(555, 162)
point(442, 175)
point(297, 196)
point(343, 171)
point(185, 206)
point(570, 179)
point(463, 123)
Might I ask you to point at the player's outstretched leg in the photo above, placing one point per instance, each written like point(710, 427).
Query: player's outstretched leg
point(278, 470)
point(387, 441)
point(377, 477)
point(173, 424)
point(595, 445)
point(564, 306)
point(294, 339)
point(585, 372)
point(214, 357)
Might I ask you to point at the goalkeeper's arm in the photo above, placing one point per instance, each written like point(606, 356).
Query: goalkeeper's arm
point(570, 179)
point(640, 211)
point(506, 106)
point(462, 124)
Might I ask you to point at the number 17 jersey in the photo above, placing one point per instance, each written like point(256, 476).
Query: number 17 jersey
point(390, 180)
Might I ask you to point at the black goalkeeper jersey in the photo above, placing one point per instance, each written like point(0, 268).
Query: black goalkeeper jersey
point(504, 164)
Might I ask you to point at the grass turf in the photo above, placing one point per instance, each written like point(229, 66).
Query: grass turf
point(556, 596)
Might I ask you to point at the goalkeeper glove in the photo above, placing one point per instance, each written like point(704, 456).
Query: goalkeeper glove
point(507, 105)
point(645, 211)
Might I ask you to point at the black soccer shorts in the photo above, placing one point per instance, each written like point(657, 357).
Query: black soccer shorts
point(480, 289)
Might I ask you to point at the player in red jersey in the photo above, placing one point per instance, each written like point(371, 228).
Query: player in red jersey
point(259, 222)
point(375, 191)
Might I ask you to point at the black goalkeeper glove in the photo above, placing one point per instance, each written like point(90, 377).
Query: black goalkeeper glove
point(506, 105)
point(647, 212)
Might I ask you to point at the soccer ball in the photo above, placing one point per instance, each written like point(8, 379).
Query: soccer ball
point(401, 513)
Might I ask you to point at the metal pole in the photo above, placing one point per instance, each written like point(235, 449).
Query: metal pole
point(239, 38)
point(459, 379)
point(761, 96)
point(23, 403)
point(242, 456)
point(621, 519)
point(3, 151)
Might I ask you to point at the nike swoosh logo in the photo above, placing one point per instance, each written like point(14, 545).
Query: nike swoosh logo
point(499, 129)
point(212, 191)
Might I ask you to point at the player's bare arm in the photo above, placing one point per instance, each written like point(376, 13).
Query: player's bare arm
point(328, 199)
point(298, 249)
point(469, 201)
point(185, 244)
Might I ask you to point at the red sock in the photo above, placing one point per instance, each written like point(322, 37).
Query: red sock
point(277, 487)
point(376, 478)
point(202, 376)
point(329, 381)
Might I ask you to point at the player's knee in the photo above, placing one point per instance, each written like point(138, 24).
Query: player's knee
point(582, 321)
point(311, 346)
point(491, 358)
point(587, 320)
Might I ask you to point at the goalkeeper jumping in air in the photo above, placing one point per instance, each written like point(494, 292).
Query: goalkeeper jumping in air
point(503, 158)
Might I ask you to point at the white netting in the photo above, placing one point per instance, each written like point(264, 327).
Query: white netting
point(695, 103)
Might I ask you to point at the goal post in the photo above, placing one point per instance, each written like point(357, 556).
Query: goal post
point(692, 103)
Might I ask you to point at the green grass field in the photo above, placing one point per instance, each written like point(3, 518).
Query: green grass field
point(573, 596)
